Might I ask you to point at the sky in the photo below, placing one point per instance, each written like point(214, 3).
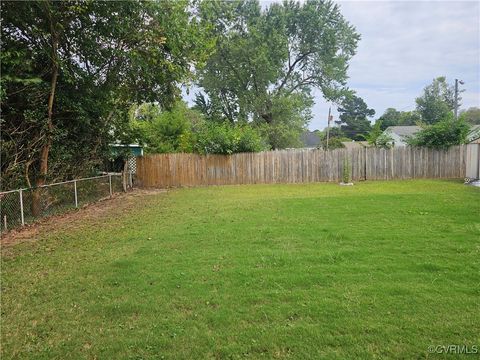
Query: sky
point(405, 45)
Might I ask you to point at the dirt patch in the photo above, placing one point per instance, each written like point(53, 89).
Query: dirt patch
point(97, 211)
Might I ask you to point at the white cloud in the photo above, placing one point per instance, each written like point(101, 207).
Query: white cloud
point(406, 44)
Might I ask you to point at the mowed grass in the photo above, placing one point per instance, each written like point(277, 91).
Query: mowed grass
point(377, 270)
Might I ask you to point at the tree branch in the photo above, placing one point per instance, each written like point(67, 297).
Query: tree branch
point(291, 67)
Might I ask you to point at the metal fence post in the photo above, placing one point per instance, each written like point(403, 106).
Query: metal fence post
point(124, 181)
point(75, 190)
point(20, 194)
point(110, 183)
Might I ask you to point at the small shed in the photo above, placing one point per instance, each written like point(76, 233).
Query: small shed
point(120, 151)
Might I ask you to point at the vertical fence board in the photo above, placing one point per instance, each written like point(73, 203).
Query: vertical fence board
point(300, 166)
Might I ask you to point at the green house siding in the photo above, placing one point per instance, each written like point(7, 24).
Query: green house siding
point(134, 150)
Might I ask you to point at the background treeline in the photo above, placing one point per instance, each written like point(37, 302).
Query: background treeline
point(433, 113)
point(77, 76)
point(72, 72)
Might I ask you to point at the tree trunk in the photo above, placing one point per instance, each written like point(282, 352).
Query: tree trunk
point(268, 117)
point(40, 181)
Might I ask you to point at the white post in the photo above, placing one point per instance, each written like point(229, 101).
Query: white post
point(75, 190)
point(110, 183)
point(130, 178)
point(20, 192)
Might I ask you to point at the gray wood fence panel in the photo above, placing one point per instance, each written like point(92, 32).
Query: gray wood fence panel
point(301, 166)
point(472, 160)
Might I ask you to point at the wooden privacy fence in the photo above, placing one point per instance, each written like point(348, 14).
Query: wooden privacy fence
point(299, 166)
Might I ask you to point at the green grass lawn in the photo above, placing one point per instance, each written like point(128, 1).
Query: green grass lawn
point(377, 270)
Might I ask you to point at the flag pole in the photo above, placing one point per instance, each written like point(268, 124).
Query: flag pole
point(328, 124)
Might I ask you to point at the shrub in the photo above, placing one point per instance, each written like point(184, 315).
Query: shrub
point(163, 131)
point(384, 141)
point(248, 139)
point(442, 135)
point(334, 143)
point(377, 138)
point(214, 138)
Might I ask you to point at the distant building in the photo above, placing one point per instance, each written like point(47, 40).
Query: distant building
point(399, 134)
point(473, 136)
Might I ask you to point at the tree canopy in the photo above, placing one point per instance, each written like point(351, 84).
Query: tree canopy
point(471, 115)
point(354, 114)
point(437, 100)
point(71, 70)
point(267, 61)
point(393, 117)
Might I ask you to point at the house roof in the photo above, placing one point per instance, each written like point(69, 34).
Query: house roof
point(474, 133)
point(403, 130)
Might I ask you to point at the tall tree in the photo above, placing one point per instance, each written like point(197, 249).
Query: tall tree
point(71, 70)
point(354, 114)
point(437, 100)
point(471, 116)
point(271, 59)
point(393, 117)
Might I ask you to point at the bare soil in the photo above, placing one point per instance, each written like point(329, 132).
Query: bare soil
point(96, 212)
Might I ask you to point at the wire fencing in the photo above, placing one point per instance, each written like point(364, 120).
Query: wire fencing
point(24, 206)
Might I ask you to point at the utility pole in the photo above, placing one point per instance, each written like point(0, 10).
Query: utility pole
point(328, 124)
point(456, 96)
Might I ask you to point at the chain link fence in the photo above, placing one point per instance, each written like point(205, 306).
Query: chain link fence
point(24, 206)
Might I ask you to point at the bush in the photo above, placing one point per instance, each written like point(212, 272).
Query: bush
point(214, 138)
point(384, 141)
point(163, 131)
point(181, 129)
point(248, 139)
point(335, 143)
point(442, 135)
point(377, 138)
